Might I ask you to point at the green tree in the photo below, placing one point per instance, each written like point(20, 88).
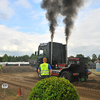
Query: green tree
point(94, 57)
point(89, 59)
point(79, 55)
point(9, 58)
point(25, 58)
point(21, 58)
point(32, 55)
point(0, 59)
point(99, 57)
point(5, 58)
point(35, 57)
point(71, 56)
point(13, 59)
point(18, 58)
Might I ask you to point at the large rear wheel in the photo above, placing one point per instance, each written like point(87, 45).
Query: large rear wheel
point(67, 75)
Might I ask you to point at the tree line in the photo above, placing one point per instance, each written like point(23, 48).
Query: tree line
point(93, 59)
point(25, 58)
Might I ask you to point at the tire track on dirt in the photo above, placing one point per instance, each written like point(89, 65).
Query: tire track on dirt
point(88, 94)
point(77, 87)
point(28, 81)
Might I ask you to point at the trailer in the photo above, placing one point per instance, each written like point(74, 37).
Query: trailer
point(74, 69)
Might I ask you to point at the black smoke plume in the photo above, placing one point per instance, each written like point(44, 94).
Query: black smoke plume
point(67, 8)
point(70, 10)
point(53, 9)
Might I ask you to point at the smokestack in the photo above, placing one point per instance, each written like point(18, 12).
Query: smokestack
point(51, 49)
point(66, 49)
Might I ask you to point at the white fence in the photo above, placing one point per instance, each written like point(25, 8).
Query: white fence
point(4, 63)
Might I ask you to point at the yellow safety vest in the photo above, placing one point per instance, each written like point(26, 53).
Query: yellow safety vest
point(44, 69)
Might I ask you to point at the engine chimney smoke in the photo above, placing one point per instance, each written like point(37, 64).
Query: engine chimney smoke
point(67, 8)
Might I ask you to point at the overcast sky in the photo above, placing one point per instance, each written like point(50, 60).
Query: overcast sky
point(23, 26)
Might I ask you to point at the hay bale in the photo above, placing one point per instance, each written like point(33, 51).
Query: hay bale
point(14, 69)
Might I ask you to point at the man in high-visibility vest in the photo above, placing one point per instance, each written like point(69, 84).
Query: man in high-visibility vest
point(44, 69)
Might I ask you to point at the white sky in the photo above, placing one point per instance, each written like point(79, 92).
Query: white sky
point(23, 27)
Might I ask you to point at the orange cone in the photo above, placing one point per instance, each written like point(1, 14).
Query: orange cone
point(19, 91)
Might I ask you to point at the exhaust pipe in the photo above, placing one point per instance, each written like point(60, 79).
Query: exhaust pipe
point(51, 49)
point(66, 50)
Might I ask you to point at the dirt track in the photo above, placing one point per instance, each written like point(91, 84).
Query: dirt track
point(89, 90)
